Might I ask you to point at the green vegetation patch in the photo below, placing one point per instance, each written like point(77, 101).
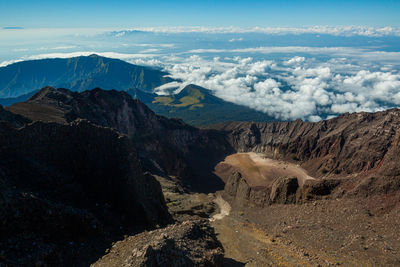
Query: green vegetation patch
point(193, 98)
point(165, 100)
point(187, 101)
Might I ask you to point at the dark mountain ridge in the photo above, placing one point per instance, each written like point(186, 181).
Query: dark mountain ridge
point(166, 145)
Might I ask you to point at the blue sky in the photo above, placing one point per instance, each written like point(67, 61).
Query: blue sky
point(78, 13)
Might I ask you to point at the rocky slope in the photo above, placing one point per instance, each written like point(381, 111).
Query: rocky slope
point(351, 155)
point(191, 243)
point(78, 74)
point(350, 143)
point(68, 190)
point(166, 146)
point(14, 119)
point(345, 214)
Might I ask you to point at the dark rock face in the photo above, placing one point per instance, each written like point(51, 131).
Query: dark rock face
point(14, 119)
point(284, 190)
point(191, 243)
point(316, 189)
point(390, 166)
point(67, 190)
point(241, 195)
point(387, 179)
point(165, 145)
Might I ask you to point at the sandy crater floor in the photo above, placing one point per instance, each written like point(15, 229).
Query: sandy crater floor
point(259, 170)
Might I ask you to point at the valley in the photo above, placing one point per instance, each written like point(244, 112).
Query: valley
point(200, 133)
point(154, 191)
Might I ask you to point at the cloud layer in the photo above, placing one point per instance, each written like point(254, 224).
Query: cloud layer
point(337, 31)
point(289, 89)
point(308, 87)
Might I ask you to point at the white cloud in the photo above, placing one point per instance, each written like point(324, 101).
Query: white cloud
point(64, 47)
point(314, 89)
point(9, 62)
point(337, 31)
point(295, 60)
point(166, 88)
point(236, 40)
point(290, 88)
point(150, 50)
point(337, 52)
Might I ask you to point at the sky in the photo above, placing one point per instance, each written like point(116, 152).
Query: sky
point(249, 13)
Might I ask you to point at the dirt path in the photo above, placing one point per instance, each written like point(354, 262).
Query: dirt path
point(246, 245)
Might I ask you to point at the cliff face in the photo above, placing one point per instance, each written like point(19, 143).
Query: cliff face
point(353, 155)
point(165, 145)
point(350, 143)
point(240, 194)
point(68, 189)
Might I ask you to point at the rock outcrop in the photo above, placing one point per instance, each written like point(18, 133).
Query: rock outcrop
point(191, 243)
point(284, 190)
point(240, 194)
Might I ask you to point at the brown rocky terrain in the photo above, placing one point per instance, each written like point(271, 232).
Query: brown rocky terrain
point(348, 144)
point(97, 165)
point(190, 243)
point(349, 156)
point(345, 212)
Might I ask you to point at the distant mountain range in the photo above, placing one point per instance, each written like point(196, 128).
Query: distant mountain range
point(194, 104)
point(77, 74)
